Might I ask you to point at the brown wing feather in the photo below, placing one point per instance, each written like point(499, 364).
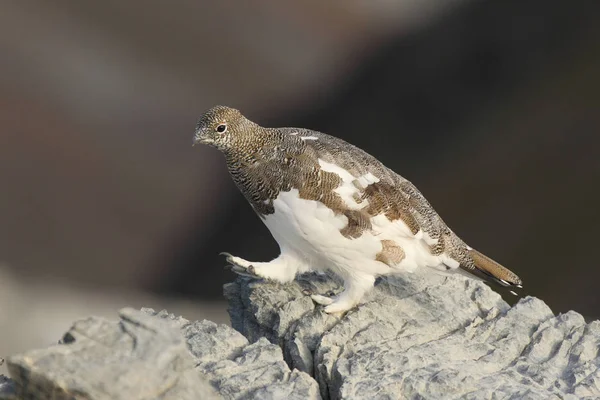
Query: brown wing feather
point(493, 270)
point(399, 199)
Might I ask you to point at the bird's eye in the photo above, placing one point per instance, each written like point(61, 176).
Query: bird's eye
point(222, 128)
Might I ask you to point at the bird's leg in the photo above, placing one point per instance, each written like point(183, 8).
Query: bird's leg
point(355, 287)
point(282, 269)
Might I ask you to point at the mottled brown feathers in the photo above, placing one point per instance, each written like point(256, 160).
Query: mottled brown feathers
point(264, 162)
point(285, 161)
point(359, 221)
point(390, 254)
point(386, 199)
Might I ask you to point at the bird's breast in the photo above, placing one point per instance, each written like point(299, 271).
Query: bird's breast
point(313, 229)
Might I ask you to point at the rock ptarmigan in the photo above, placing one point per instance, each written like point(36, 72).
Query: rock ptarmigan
point(332, 207)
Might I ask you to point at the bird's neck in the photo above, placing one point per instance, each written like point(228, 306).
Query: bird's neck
point(246, 151)
point(243, 157)
point(248, 175)
point(254, 167)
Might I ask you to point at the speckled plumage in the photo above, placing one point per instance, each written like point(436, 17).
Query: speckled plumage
point(332, 206)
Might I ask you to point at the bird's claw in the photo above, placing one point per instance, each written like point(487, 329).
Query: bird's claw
point(228, 257)
point(244, 271)
point(249, 272)
point(241, 270)
point(325, 301)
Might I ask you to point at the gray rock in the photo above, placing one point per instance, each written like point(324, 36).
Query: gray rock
point(7, 387)
point(424, 337)
point(414, 337)
point(240, 370)
point(149, 355)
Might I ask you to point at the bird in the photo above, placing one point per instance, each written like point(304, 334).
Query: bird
point(333, 208)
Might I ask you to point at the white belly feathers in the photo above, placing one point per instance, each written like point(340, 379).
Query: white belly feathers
point(312, 231)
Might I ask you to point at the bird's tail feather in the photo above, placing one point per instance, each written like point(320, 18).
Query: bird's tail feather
point(489, 270)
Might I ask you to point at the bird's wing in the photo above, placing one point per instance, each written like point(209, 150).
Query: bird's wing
point(372, 192)
point(389, 205)
point(380, 190)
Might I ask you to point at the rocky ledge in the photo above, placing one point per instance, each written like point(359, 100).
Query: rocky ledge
point(414, 337)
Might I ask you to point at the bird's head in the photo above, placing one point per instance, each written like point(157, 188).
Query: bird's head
point(224, 128)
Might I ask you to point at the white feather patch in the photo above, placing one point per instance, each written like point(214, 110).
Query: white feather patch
point(365, 180)
point(450, 262)
point(336, 169)
point(348, 190)
point(313, 231)
point(429, 240)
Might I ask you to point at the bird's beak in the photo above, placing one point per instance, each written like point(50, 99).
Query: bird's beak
point(200, 139)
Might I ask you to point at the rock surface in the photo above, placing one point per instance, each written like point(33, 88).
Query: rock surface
point(424, 337)
point(414, 337)
point(148, 355)
point(7, 386)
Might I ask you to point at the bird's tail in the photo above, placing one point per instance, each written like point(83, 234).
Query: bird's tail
point(489, 270)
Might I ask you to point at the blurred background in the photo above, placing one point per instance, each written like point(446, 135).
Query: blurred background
point(492, 108)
